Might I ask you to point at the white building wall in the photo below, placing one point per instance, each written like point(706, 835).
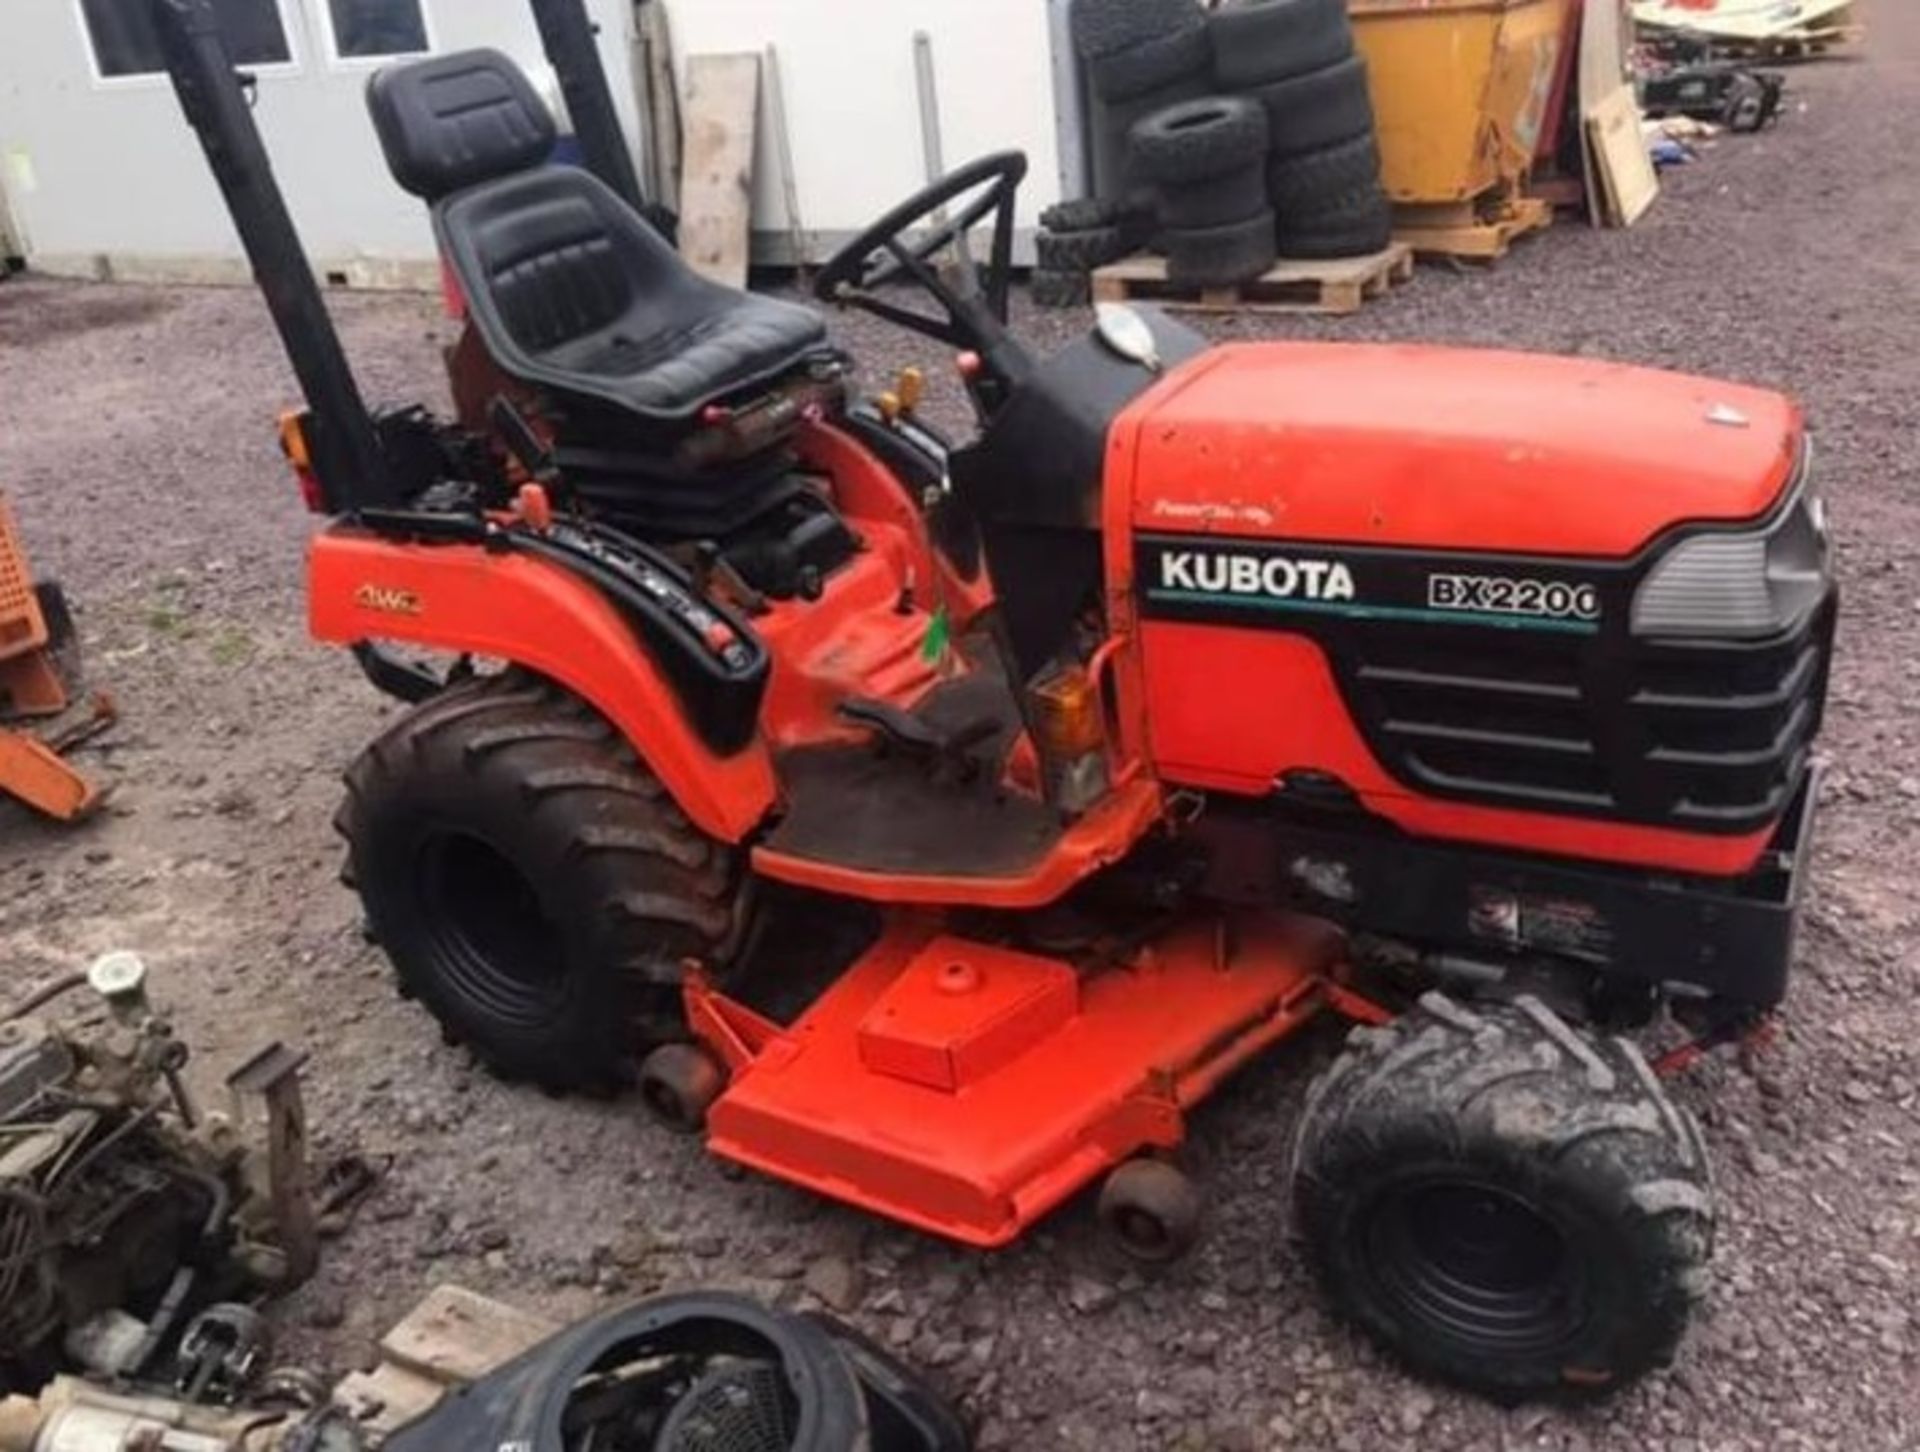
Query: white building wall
point(104, 176)
point(852, 102)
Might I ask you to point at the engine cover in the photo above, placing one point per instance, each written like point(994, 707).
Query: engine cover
point(1446, 448)
point(1417, 581)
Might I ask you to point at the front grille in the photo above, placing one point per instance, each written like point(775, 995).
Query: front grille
point(1701, 735)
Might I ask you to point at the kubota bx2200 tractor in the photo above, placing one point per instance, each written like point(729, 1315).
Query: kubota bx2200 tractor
point(934, 823)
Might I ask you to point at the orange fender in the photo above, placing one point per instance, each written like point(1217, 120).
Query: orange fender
point(456, 597)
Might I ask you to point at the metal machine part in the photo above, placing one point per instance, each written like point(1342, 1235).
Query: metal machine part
point(74, 1416)
point(124, 1208)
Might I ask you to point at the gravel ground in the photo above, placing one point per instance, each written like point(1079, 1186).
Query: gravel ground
point(137, 447)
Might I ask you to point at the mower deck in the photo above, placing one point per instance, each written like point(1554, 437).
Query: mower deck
point(968, 1089)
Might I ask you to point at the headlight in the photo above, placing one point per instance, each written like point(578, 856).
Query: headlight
point(1742, 586)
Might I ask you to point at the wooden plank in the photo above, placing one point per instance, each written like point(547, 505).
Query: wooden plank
point(716, 182)
point(456, 1336)
point(1621, 181)
point(1621, 164)
point(384, 1400)
point(1336, 285)
point(659, 100)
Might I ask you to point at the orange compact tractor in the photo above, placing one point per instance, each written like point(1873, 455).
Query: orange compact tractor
point(935, 823)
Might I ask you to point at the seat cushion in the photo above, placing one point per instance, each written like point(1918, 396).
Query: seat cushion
point(574, 292)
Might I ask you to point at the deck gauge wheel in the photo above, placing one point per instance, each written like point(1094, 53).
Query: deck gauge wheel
point(679, 1083)
point(1151, 1210)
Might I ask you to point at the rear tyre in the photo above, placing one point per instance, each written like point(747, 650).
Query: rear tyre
point(1152, 1211)
point(532, 883)
point(1503, 1202)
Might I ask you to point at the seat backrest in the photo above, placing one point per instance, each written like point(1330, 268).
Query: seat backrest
point(454, 121)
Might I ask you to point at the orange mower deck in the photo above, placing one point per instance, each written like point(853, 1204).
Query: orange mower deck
point(968, 1089)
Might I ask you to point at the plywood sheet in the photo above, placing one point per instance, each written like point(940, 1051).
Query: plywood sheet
point(716, 181)
point(1628, 183)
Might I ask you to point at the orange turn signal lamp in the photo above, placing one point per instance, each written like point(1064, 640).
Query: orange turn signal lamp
point(293, 443)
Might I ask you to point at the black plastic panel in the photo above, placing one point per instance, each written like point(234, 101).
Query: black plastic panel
point(1556, 707)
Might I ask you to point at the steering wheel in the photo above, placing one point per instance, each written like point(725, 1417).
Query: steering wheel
point(905, 243)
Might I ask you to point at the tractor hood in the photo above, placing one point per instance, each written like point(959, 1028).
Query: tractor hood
point(1444, 448)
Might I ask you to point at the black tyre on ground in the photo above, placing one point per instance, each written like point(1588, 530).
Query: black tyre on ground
point(532, 883)
point(1319, 109)
point(1152, 65)
point(1214, 201)
point(1197, 140)
point(1221, 256)
point(1258, 41)
point(1355, 226)
point(1504, 1202)
point(1317, 181)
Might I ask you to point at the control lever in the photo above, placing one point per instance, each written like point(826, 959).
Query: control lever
point(526, 446)
point(710, 565)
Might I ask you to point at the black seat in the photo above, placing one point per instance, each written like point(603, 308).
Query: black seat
point(570, 288)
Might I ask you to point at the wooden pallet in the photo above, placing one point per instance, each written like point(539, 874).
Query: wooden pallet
point(1339, 285)
point(1466, 233)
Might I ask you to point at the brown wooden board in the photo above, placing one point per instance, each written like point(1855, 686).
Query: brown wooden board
point(716, 179)
point(1621, 164)
point(1338, 285)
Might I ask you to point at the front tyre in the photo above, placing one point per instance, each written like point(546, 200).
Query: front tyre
point(533, 884)
point(1503, 1202)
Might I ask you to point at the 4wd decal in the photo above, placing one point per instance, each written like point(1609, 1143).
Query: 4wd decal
point(1256, 581)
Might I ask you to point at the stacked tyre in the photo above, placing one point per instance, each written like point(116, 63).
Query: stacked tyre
point(1141, 56)
point(1296, 60)
point(1206, 163)
point(1074, 239)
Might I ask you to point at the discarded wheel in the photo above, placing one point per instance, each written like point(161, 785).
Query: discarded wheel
point(1221, 256)
point(1257, 41)
point(1504, 1202)
point(1151, 1210)
point(679, 1083)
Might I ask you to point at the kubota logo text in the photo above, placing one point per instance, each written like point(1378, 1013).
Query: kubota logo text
point(1273, 576)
